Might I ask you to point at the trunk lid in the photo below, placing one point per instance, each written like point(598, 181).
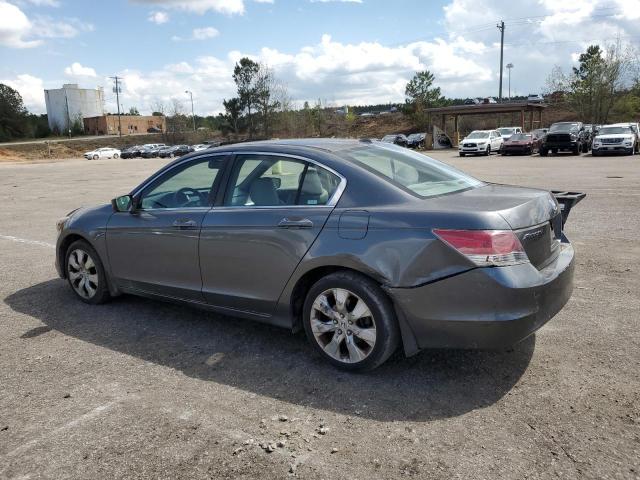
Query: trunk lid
point(534, 215)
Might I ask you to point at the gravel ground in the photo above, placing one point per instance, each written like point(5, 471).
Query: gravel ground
point(140, 389)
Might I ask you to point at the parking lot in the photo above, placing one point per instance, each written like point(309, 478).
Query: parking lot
point(137, 388)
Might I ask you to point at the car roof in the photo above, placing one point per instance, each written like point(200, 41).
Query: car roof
point(325, 144)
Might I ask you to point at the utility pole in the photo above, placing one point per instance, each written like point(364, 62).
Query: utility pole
point(509, 67)
point(117, 91)
point(501, 28)
point(193, 115)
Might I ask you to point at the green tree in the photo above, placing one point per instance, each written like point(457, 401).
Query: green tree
point(245, 75)
point(233, 113)
point(134, 111)
point(421, 94)
point(420, 90)
point(13, 114)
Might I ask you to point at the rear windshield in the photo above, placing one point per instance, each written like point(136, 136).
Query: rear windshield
point(411, 171)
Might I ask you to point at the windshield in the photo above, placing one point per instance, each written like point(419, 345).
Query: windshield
point(564, 127)
point(507, 131)
point(520, 137)
point(615, 130)
point(415, 136)
point(473, 135)
point(411, 171)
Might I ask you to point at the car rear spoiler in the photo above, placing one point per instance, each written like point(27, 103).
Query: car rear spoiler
point(567, 201)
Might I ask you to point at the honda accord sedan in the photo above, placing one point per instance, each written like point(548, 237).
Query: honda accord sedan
point(362, 244)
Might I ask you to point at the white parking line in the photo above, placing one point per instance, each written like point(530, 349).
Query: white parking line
point(27, 241)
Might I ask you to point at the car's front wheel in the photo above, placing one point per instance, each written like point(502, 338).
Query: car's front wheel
point(85, 273)
point(350, 321)
point(95, 157)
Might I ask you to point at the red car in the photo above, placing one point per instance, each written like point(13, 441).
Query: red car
point(520, 143)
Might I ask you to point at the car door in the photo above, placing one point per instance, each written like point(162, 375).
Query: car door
point(496, 140)
point(154, 248)
point(273, 209)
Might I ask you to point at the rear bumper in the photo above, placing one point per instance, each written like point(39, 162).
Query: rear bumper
point(486, 307)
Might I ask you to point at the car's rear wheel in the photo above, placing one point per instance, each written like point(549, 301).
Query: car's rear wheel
point(115, 155)
point(85, 273)
point(350, 321)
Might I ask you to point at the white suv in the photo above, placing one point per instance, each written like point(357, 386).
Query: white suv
point(480, 142)
point(615, 138)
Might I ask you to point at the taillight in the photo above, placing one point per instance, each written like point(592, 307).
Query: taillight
point(497, 248)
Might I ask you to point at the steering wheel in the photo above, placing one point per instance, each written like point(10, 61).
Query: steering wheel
point(183, 197)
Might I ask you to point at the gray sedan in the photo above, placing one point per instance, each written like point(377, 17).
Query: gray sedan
point(364, 245)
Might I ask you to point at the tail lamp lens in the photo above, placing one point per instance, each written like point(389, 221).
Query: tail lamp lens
point(485, 248)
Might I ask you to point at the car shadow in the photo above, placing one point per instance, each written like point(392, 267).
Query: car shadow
point(270, 361)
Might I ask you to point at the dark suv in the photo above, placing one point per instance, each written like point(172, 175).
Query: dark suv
point(567, 136)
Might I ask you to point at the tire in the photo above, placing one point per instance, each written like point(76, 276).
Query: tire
point(543, 152)
point(488, 151)
point(461, 154)
point(115, 155)
point(82, 262)
point(95, 157)
point(554, 151)
point(374, 318)
point(576, 150)
point(629, 152)
point(594, 153)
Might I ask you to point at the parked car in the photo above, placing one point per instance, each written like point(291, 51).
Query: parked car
point(614, 139)
point(105, 152)
point(152, 151)
point(154, 130)
point(416, 140)
point(182, 150)
point(538, 136)
point(567, 136)
point(506, 132)
point(518, 144)
point(472, 101)
point(636, 129)
point(199, 147)
point(131, 152)
point(167, 152)
point(535, 98)
point(480, 142)
point(363, 244)
point(489, 100)
point(397, 138)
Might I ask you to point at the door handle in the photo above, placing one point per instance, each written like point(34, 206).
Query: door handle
point(295, 223)
point(185, 224)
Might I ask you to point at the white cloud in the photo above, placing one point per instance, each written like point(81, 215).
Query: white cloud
point(45, 3)
point(14, 27)
point(158, 17)
point(335, 1)
point(229, 7)
point(77, 70)
point(198, 34)
point(204, 33)
point(31, 89)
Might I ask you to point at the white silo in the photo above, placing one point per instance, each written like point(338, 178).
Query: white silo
point(70, 104)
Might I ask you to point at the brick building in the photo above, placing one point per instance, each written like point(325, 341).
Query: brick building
point(108, 124)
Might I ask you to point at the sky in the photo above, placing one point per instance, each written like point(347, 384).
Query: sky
point(351, 52)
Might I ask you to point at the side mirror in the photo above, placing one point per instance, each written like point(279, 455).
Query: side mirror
point(123, 203)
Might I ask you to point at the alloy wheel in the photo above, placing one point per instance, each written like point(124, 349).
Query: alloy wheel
point(343, 325)
point(83, 274)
